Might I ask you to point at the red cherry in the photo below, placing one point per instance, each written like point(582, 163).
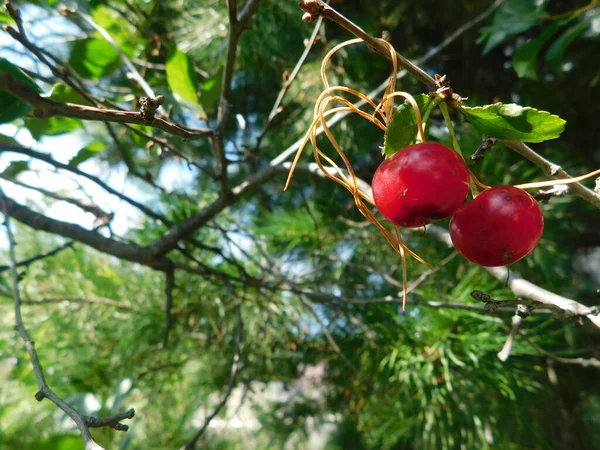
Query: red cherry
point(419, 184)
point(498, 227)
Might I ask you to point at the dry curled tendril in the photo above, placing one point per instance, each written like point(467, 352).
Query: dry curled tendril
point(330, 102)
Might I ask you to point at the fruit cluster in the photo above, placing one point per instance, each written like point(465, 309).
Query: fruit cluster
point(429, 181)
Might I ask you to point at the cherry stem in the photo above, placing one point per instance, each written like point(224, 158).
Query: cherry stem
point(542, 184)
point(444, 108)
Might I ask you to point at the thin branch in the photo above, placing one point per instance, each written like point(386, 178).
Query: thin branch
point(235, 369)
point(317, 8)
point(169, 286)
point(330, 338)
point(553, 170)
point(584, 362)
point(507, 348)
point(292, 76)
point(129, 252)
point(83, 300)
point(83, 422)
point(87, 206)
point(45, 108)
point(236, 28)
point(73, 169)
point(134, 74)
point(27, 262)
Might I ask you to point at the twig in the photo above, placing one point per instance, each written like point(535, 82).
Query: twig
point(27, 262)
point(45, 108)
point(70, 12)
point(73, 169)
point(516, 325)
point(584, 362)
point(169, 286)
point(317, 8)
point(486, 144)
point(330, 338)
point(87, 206)
point(236, 28)
point(83, 300)
point(83, 422)
point(553, 170)
point(235, 369)
point(291, 77)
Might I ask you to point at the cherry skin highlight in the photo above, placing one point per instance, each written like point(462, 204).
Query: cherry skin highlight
point(498, 227)
point(419, 184)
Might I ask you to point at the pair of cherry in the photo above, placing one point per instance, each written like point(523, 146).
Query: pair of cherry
point(429, 181)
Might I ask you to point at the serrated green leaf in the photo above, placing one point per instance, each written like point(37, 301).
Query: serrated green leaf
point(13, 107)
point(52, 126)
point(86, 153)
point(211, 90)
point(15, 168)
point(402, 130)
point(525, 60)
point(514, 122)
point(94, 58)
point(181, 76)
point(63, 93)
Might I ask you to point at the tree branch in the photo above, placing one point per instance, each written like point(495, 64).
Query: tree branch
point(45, 107)
point(83, 422)
point(317, 8)
point(129, 252)
point(552, 170)
point(48, 159)
point(235, 369)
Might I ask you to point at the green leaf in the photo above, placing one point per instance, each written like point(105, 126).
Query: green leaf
point(511, 18)
point(211, 90)
point(94, 58)
point(63, 93)
point(52, 126)
point(13, 107)
point(86, 153)
point(557, 50)
point(116, 27)
point(402, 130)
point(514, 122)
point(181, 76)
point(15, 168)
point(525, 60)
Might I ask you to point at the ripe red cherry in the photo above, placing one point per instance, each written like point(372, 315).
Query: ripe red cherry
point(419, 184)
point(498, 227)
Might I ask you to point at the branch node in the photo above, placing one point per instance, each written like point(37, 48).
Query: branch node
point(524, 311)
point(558, 190)
point(40, 395)
point(486, 144)
point(149, 105)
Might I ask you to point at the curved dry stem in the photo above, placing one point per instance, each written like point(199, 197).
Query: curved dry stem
point(542, 184)
point(404, 270)
point(346, 176)
point(414, 106)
